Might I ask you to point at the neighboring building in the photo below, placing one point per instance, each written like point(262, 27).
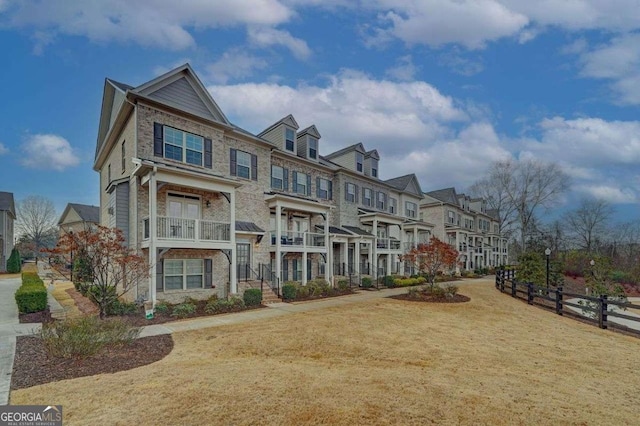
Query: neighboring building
point(467, 225)
point(7, 218)
point(215, 208)
point(79, 217)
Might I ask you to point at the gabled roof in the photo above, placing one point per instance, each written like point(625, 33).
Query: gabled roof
point(181, 88)
point(288, 120)
point(447, 195)
point(355, 147)
point(123, 87)
point(493, 214)
point(7, 204)
point(87, 213)
point(311, 130)
point(407, 183)
point(113, 95)
point(373, 154)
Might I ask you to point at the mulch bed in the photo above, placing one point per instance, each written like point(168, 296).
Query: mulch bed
point(32, 365)
point(337, 294)
point(83, 303)
point(36, 317)
point(423, 297)
point(139, 319)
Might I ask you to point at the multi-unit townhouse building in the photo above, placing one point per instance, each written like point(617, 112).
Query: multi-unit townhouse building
point(78, 217)
point(214, 207)
point(467, 225)
point(7, 219)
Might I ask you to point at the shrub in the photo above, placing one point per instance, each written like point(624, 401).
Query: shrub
point(388, 281)
point(406, 282)
point(343, 285)
point(117, 307)
point(621, 277)
point(83, 337)
point(289, 291)
point(82, 274)
point(302, 292)
point(252, 297)
point(451, 290)
point(436, 291)
point(367, 282)
point(162, 308)
point(14, 264)
point(414, 292)
point(318, 287)
point(32, 294)
point(183, 310)
point(220, 306)
point(94, 293)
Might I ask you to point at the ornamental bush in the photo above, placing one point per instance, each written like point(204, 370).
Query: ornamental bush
point(252, 297)
point(367, 282)
point(183, 310)
point(32, 294)
point(14, 264)
point(289, 291)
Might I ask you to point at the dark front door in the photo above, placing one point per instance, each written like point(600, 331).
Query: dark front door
point(244, 260)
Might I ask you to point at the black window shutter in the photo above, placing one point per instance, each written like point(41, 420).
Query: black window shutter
point(233, 162)
point(208, 273)
point(295, 269)
point(285, 179)
point(330, 186)
point(208, 153)
point(318, 187)
point(285, 270)
point(294, 178)
point(363, 195)
point(356, 198)
point(159, 275)
point(254, 167)
point(309, 185)
point(158, 141)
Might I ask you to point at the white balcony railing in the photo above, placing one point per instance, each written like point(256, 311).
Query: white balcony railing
point(177, 228)
point(388, 244)
point(298, 239)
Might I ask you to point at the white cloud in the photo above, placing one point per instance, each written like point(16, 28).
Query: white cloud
point(440, 22)
point(618, 61)
point(234, 64)
point(266, 37)
point(3, 149)
point(459, 64)
point(163, 23)
point(404, 70)
point(45, 151)
point(612, 193)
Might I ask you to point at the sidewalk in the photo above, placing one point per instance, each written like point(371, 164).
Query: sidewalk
point(9, 326)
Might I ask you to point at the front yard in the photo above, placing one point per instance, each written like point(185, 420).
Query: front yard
point(493, 360)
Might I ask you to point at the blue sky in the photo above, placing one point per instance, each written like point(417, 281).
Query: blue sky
point(440, 87)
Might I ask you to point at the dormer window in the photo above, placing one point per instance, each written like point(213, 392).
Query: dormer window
point(359, 162)
point(313, 148)
point(290, 136)
point(374, 167)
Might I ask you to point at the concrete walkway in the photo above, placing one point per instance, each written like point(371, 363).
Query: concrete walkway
point(9, 325)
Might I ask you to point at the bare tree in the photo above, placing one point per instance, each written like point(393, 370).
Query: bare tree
point(520, 189)
point(588, 222)
point(36, 222)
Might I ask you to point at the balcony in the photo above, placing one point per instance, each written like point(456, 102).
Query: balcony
point(294, 239)
point(192, 230)
point(388, 244)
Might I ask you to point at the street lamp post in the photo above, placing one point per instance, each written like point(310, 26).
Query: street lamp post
point(71, 272)
point(547, 252)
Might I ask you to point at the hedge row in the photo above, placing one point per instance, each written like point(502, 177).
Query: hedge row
point(32, 294)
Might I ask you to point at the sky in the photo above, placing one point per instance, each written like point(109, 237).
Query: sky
point(441, 88)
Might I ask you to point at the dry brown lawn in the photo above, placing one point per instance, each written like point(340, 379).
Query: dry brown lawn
point(494, 360)
point(65, 300)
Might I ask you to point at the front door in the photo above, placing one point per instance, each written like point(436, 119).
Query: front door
point(244, 260)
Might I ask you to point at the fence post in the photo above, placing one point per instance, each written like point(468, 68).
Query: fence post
point(502, 279)
point(497, 279)
point(559, 300)
point(514, 288)
point(530, 293)
point(602, 320)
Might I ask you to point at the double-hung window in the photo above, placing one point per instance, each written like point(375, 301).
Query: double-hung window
point(183, 274)
point(324, 189)
point(381, 203)
point(350, 193)
point(359, 161)
point(183, 146)
point(289, 143)
point(374, 167)
point(277, 177)
point(410, 209)
point(393, 205)
point(123, 155)
point(367, 197)
point(451, 217)
point(301, 183)
point(244, 165)
point(313, 148)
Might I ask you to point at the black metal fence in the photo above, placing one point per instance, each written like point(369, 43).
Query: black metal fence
point(595, 310)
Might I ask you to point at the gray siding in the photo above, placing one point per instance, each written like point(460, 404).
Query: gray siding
point(302, 147)
point(348, 160)
point(118, 99)
point(181, 94)
point(122, 209)
point(276, 136)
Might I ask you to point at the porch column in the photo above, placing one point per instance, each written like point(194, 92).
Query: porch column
point(345, 258)
point(389, 264)
point(153, 233)
point(304, 268)
point(356, 257)
point(370, 257)
point(234, 253)
point(374, 249)
point(278, 231)
point(328, 271)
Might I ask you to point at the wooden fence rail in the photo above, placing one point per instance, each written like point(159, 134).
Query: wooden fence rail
point(506, 281)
